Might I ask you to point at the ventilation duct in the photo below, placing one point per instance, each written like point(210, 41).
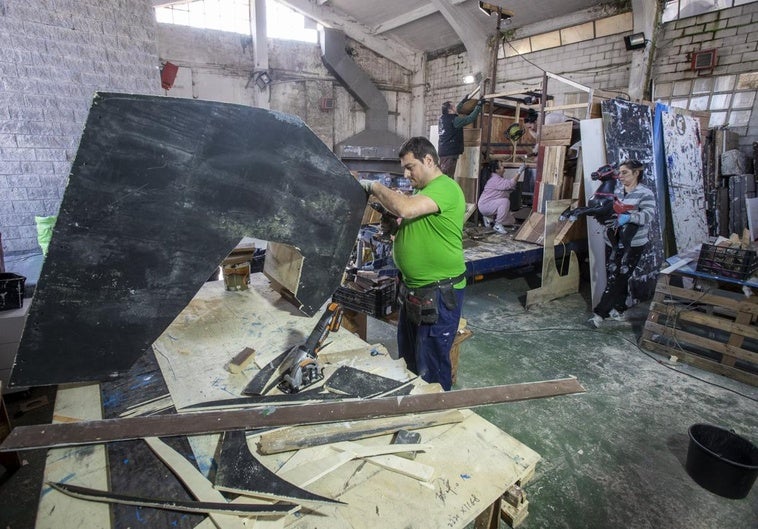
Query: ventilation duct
point(376, 147)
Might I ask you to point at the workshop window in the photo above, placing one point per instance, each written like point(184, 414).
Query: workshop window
point(282, 22)
point(676, 9)
point(728, 98)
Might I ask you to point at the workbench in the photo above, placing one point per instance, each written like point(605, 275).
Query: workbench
point(474, 462)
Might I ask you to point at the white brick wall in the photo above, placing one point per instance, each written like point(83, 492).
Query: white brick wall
point(54, 55)
point(603, 63)
point(732, 32)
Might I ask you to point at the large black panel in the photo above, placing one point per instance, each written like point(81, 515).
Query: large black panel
point(160, 192)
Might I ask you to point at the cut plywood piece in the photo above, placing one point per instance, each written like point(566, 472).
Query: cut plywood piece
point(85, 466)
point(199, 487)
point(554, 285)
point(684, 169)
point(533, 229)
point(283, 266)
point(593, 157)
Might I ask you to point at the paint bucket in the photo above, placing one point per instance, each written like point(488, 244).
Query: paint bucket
point(236, 276)
point(721, 461)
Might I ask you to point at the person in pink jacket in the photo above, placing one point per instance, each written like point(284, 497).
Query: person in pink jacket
point(495, 200)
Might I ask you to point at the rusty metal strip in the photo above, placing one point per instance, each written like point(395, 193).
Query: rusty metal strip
point(89, 432)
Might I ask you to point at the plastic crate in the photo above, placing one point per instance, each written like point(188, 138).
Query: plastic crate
point(727, 262)
point(11, 291)
point(377, 302)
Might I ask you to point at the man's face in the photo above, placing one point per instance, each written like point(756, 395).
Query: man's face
point(417, 171)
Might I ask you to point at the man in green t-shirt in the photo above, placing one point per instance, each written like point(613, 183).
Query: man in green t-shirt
point(428, 251)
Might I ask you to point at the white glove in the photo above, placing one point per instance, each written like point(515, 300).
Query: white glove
point(366, 184)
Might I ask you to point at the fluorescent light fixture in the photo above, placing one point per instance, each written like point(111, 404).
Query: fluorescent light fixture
point(635, 41)
point(469, 79)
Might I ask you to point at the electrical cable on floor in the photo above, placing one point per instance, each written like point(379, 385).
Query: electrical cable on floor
point(672, 368)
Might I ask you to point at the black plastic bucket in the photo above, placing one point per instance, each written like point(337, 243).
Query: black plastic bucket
point(721, 461)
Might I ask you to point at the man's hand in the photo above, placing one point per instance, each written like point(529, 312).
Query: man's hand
point(366, 185)
point(480, 102)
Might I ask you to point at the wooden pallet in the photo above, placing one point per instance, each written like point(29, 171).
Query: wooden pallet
point(713, 329)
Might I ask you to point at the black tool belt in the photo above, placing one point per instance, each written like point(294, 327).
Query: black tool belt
point(420, 303)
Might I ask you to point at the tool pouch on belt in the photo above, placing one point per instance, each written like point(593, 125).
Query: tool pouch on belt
point(420, 304)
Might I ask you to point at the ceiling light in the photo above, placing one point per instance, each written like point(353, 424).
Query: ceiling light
point(635, 41)
point(469, 79)
point(488, 9)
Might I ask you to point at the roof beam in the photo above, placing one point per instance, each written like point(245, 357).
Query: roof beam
point(473, 32)
point(410, 16)
point(328, 16)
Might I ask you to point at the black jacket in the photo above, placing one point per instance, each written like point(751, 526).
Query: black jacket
point(451, 137)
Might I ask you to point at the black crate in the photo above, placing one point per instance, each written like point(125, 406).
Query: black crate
point(727, 262)
point(377, 302)
point(11, 291)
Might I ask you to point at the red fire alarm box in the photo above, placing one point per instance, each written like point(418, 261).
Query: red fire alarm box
point(168, 75)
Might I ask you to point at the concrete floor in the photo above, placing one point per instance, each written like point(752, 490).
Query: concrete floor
point(612, 457)
point(615, 455)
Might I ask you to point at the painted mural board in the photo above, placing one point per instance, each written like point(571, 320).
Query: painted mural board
point(684, 169)
point(593, 157)
point(629, 136)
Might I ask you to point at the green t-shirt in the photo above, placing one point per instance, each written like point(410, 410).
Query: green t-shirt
point(430, 248)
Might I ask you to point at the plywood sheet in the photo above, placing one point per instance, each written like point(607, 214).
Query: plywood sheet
point(684, 169)
point(160, 192)
point(593, 157)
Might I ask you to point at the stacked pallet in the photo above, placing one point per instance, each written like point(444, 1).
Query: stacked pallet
point(713, 329)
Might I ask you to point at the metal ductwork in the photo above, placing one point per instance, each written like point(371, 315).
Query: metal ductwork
point(376, 147)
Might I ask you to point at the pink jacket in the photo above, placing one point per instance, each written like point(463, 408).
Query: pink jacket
point(495, 189)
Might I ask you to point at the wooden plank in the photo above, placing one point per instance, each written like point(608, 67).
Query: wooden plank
point(739, 327)
point(240, 361)
point(85, 466)
point(748, 305)
point(40, 436)
point(701, 362)
point(558, 134)
point(295, 438)
point(682, 336)
point(533, 229)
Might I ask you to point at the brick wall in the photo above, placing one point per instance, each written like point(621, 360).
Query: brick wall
point(734, 34)
point(54, 54)
point(603, 63)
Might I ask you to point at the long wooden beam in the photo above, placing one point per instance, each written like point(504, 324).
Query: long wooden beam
point(91, 432)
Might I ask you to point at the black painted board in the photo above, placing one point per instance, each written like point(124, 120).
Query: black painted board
point(133, 468)
point(160, 192)
point(348, 380)
point(628, 129)
point(238, 470)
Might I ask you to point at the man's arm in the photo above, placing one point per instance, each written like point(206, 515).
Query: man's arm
point(405, 206)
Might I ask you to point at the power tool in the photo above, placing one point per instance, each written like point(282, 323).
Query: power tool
point(388, 222)
point(300, 367)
